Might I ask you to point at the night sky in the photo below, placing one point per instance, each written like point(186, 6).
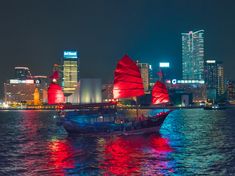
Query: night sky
point(34, 33)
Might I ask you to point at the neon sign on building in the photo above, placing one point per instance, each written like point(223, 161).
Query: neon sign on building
point(164, 64)
point(70, 54)
point(17, 81)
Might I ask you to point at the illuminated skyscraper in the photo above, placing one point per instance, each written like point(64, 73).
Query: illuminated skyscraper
point(193, 55)
point(214, 78)
point(220, 77)
point(144, 70)
point(211, 79)
point(211, 74)
point(22, 88)
point(164, 71)
point(70, 72)
point(231, 90)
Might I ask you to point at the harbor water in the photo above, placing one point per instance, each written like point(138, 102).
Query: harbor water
point(190, 142)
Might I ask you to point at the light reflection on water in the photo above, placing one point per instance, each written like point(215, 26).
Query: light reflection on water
point(191, 142)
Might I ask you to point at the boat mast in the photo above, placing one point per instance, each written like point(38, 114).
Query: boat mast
point(137, 107)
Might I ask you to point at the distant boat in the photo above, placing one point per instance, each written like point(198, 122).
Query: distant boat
point(215, 107)
point(107, 118)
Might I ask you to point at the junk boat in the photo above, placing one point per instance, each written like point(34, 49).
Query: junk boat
point(111, 119)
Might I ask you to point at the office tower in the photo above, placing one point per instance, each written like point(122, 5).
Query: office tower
point(231, 90)
point(214, 78)
point(70, 72)
point(211, 74)
point(211, 79)
point(164, 71)
point(22, 73)
point(107, 92)
point(193, 55)
point(151, 78)
point(19, 91)
point(220, 79)
point(144, 70)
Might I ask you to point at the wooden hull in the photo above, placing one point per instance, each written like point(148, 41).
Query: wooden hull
point(151, 125)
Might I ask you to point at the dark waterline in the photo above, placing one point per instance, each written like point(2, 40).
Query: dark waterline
point(191, 142)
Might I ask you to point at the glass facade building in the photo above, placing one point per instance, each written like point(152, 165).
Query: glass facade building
point(193, 55)
point(70, 72)
point(214, 78)
point(211, 74)
point(144, 71)
point(220, 77)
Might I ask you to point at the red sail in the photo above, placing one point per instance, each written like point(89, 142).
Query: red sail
point(127, 79)
point(55, 94)
point(160, 94)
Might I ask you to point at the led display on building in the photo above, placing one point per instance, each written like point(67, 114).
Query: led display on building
point(164, 64)
point(17, 81)
point(70, 54)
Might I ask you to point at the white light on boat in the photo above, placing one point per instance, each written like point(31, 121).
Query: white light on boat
point(5, 105)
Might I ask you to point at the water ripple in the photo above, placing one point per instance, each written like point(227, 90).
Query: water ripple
point(192, 142)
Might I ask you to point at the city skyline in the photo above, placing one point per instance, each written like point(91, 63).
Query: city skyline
point(35, 34)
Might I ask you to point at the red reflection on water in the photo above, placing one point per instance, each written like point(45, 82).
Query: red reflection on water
point(60, 155)
point(160, 144)
point(130, 156)
point(121, 157)
point(158, 149)
point(30, 123)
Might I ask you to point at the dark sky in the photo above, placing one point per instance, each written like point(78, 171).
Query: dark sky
point(34, 33)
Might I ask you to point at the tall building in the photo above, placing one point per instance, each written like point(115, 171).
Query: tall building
point(211, 74)
point(70, 72)
point(211, 79)
point(22, 73)
point(214, 79)
point(107, 92)
point(153, 76)
point(165, 71)
point(193, 55)
point(231, 90)
point(144, 70)
point(220, 79)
